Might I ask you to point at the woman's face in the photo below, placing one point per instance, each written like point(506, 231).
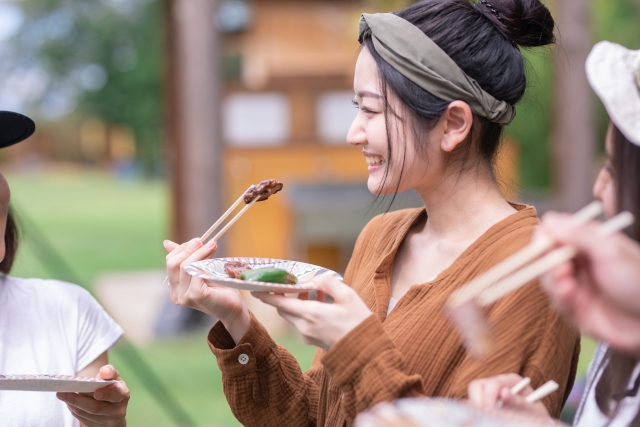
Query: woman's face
point(5, 195)
point(369, 130)
point(605, 187)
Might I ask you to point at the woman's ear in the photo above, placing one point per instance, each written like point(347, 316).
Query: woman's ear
point(456, 122)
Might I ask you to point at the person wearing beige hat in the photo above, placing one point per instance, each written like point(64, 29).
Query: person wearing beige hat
point(600, 289)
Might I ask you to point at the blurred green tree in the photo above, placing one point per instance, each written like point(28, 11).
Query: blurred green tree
point(97, 58)
point(616, 21)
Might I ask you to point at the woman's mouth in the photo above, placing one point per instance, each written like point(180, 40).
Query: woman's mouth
point(374, 162)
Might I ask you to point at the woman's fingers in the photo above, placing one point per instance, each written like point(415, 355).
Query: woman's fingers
point(83, 420)
point(179, 258)
point(475, 392)
point(321, 296)
point(95, 420)
point(334, 287)
point(170, 246)
point(202, 252)
point(289, 305)
point(92, 407)
point(113, 393)
point(179, 254)
point(484, 393)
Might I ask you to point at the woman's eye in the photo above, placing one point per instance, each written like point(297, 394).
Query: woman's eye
point(363, 108)
point(607, 167)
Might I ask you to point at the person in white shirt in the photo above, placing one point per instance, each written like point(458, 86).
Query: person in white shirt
point(51, 327)
point(600, 289)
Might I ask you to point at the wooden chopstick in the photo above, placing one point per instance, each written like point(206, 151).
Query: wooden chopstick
point(235, 218)
point(222, 218)
point(520, 386)
point(543, 391)
point(533, 250)
point(548, 262)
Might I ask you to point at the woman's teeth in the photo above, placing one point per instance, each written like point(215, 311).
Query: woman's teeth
point(374, 160)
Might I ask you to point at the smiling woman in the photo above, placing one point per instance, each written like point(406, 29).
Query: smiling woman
point(434, 84)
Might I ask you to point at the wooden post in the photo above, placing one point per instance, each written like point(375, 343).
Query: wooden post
point(192, 116)
point(574, 127)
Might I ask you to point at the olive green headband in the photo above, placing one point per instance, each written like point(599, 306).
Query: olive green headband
point(408, 50)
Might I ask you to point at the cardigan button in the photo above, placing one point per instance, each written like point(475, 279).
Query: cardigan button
point(243, 359)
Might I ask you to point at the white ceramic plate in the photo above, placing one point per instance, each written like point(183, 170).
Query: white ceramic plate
point(423, 412)
point(213, 270)
point(64, 383)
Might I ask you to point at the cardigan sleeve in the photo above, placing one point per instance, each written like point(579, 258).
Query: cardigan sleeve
point(262, 381)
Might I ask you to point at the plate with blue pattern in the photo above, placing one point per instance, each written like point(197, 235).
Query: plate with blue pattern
point(53, 383)
point(213, 270)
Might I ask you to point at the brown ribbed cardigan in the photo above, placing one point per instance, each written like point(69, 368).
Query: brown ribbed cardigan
point(413, 352)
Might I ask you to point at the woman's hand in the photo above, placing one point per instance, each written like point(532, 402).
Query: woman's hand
point(486, 394)
point(220, 302)
point(321, 324)
point(107, 407)
point(600, 288)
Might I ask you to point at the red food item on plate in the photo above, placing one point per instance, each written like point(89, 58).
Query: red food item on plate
point(235, 268)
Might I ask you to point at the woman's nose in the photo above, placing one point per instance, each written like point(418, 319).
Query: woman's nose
point(356, 134)
point(601, 182)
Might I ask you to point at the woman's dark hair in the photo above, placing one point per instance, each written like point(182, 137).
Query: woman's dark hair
point(616, 376)
point(11, 238)
point(484, 42)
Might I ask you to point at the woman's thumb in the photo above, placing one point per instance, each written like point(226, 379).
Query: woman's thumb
point(332, 286)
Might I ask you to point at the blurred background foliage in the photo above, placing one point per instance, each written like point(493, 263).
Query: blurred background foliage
point(92, 59)
point(105, 59)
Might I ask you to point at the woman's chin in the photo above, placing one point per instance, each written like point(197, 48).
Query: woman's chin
point(377, 190)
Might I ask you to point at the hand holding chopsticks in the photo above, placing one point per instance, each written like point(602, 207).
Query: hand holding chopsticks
point(221, 220)
point(221, 302)
point(512, 392)
point(464, 305)
point(255, 193)
point(536, 248)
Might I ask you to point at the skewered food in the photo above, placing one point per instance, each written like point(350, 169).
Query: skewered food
point(271, 275)
point(262, 191)
point(235, 268)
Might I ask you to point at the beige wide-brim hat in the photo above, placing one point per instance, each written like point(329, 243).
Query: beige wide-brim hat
point(614, 74)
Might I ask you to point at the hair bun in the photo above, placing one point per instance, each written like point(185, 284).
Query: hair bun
point(526, 23)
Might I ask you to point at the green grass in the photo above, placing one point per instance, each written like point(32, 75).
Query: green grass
point(99, 224)
point(96, 223)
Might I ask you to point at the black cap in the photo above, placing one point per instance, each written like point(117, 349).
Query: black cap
point(14, 127)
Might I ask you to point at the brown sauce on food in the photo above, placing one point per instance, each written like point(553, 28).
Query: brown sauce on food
point(263, 190)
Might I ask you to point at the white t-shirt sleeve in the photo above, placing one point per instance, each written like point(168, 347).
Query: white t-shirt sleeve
point(97, 331)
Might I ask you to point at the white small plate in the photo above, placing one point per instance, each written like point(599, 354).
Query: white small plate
point(441, 412)
point(63, 383)
point(213, 270)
